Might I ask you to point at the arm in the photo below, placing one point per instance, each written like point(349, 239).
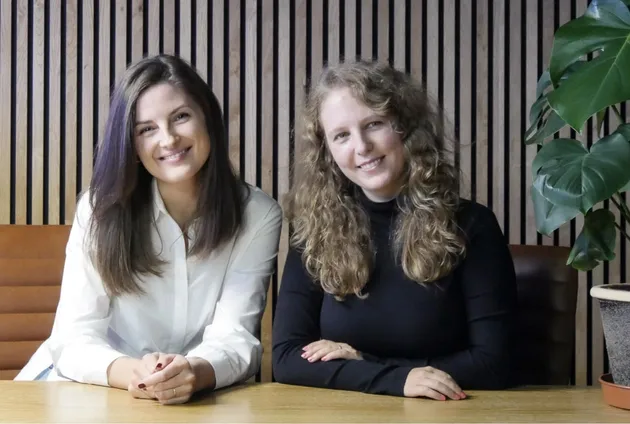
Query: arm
point(488, 282)
point(296, 324)
point(230, 350)
point(78, 343)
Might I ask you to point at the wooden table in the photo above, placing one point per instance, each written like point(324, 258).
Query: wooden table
point(45, 402)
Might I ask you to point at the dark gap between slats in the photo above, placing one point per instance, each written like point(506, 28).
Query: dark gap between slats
point(391, 46)
point(13, 111)
point(161, 31)
point(112, 47)
point(259, 109)
point(193, 32)
point(46, 116)
point(506, 119)
point(145, 27)
point(325, 31)
point(292, 94)
point(29, 114)
point(522, 209)
point(490, 129)
point(79, 141)
point(95, 81)
point(62, 114)
point(242, 74)
point(473, 105)
point(408, 36)
point(226, 71)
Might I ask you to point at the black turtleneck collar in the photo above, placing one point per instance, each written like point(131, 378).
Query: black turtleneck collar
point(373, 208)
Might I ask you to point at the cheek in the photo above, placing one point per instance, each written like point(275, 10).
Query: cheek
point(341, 156)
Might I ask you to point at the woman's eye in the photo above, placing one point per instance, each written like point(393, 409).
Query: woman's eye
point(181, 116)
point(374, 124)
point(144, 130)
point(340, 136)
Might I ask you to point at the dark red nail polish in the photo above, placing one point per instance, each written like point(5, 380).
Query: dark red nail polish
point(141, 386)
point(158, 365)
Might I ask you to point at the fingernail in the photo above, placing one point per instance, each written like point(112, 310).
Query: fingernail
point(304, 355)
point(158, 365)
point(443, 397)
point(462, 395)
point(141, 386)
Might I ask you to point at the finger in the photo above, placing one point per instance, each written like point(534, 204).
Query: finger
point(444, 377)
point(441, 387)
point(183, 390)
point(424, 391)
point(337, 354)
point(163, 361)
point(317, 355)
point(315, 345)
point(167, 373)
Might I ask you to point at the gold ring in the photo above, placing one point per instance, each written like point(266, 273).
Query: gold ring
point(174, 393)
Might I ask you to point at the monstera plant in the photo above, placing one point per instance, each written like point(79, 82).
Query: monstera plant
point(588, 76)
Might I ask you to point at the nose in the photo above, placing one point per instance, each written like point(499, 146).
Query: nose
point(363, 144)
point(169, 138)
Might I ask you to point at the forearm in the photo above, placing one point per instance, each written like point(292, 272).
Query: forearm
point(120, 372)
point(205, 377)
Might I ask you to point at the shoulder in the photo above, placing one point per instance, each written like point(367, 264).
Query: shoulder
point(260, 210)
point(474, 218)
point(259, 204)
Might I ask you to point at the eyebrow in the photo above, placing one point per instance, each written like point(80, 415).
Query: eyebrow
point(177, 109)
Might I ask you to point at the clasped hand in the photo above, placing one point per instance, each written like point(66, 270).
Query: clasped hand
point(169, 378)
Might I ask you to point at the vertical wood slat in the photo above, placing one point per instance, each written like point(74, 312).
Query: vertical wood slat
point(498, 111)
point(481, 105)
point(185, 29)
point(202, 40)
point(21, 113)
point(70, 139)
point(465, 97)
point(87, 97)
point(266, 135)
point(168, 26)
point(6, 73)
point(234, 82)
point(382, 30)
point(251, 116)
point(154, 27)
point(68, 113)
point(37, 115)
point(400, 35)
point(514, 55)
point(55, 105)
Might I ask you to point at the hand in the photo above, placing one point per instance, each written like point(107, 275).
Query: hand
point(432, 383)
point(149, 364)
point(174, 383)
point(327, 350)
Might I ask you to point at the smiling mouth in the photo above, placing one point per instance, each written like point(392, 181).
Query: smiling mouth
point(176, 155)
point(371, 164)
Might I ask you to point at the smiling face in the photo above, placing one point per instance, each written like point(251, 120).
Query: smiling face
point(170, 135)
point(363, 144)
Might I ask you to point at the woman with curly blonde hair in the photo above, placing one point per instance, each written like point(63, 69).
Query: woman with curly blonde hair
point(393, 284)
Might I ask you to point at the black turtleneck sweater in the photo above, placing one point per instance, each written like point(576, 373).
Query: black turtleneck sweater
point(461, 324)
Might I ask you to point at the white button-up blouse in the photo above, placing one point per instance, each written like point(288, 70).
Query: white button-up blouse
point(206, 307)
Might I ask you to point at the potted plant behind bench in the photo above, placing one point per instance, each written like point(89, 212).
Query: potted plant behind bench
point(589, 77)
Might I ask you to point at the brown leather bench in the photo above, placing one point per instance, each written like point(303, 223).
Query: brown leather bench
point(547, 301)
point(31, 266)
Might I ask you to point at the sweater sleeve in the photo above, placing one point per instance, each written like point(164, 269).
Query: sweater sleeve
point(489, 287)
point(296, 324)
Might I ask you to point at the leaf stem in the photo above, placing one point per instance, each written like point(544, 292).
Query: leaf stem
point(621, 204)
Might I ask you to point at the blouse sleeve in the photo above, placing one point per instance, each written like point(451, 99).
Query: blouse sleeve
point(296, 324)
point(78, 342)
point(489, 287)
point(230, 343)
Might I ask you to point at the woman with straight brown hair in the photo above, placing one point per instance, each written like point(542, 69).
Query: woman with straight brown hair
point(170, 253)
point(394, 284)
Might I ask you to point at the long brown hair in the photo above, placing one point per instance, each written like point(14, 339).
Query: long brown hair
point(120, 190)
point(331, 228)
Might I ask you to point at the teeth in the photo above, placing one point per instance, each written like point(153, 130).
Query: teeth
point(371, 165)
point(175, 155)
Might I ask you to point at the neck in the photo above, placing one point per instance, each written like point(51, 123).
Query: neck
point(180, 201)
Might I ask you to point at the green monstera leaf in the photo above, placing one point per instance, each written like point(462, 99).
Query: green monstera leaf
point(569, 175)
point(596, 242)
point(602, 81)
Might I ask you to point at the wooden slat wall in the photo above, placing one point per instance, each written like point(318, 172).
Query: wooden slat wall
point(479, 58)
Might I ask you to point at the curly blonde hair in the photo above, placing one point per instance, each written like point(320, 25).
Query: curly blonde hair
point(329, 225)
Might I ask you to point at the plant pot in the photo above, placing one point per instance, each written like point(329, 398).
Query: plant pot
point(614, 306)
